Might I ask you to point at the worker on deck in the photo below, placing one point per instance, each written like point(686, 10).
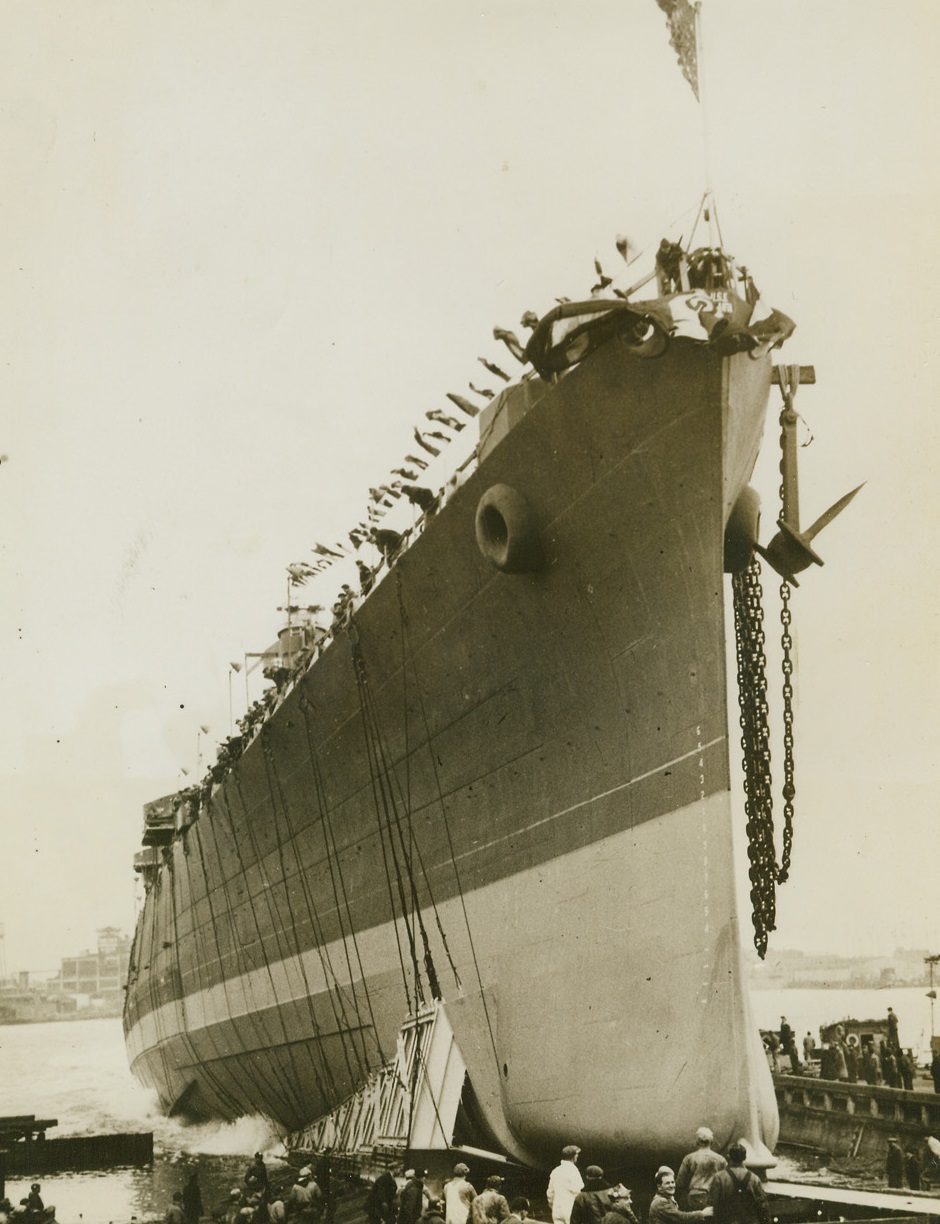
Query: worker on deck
point(697, 1170)
point(411, 1200)
point(304, 1202)
point(192, 1199)
point(34, 1203)
point(564, 1184)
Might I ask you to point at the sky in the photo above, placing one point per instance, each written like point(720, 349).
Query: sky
point(245, 247)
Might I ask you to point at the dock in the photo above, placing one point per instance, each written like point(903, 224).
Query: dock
point(24, 1148)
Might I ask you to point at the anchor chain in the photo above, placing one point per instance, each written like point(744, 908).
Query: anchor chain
point(755, 747)
point(789, 787)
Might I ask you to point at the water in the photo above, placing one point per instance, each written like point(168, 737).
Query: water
point(77, 1072)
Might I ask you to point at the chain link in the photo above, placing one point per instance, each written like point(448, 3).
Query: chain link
point(764, 873)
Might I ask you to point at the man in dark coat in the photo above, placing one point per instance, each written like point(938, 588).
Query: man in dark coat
point(894, 1040)
point(256, 1176)
point(591, 1203)
point(935, 1072)
point(411, 1201)
point(380, 1201)
point(912, 1168)
point(192, 1199)
point(736, 1194)
point(894, 1165)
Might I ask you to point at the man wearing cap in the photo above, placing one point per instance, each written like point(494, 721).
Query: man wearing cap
point(411, 1202)
point(697, 1170)
point(664, 1209)
point(564, 1185)
point(591, 1204)
point(256, 1176)
point(490, 1207)
point(737, 1194)
point(458, 1196)
point(304, 1202)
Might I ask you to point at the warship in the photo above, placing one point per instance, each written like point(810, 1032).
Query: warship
point(496, 791)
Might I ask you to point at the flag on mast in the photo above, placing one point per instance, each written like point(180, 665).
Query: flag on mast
point(681, 15)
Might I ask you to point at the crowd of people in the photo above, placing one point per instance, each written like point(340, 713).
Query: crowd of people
point(706, 1186)
point(878, 1059)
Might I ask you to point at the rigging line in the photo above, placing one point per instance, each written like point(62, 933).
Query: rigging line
point(236, 841)
point(334, 995)
point(344, 1028)
point(237, 1106)
point(360, 1025)
point(291, 1091)
point(212, 1076)
point(453, 856)
point(418, 917)
point(306, 709)
point(330, 1090)
point(381, 803)
point(407, 649)
point(290, 1095)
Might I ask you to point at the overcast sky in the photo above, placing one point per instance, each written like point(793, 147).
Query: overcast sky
point(245, 247)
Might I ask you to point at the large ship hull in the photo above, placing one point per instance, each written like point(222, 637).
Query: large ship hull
point(532, 769)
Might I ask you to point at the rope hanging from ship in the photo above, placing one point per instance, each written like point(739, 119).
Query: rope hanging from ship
point(344, 1029)
point(383, 778)
point(330, 842)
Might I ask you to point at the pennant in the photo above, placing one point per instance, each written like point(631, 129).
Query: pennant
point(680, 16)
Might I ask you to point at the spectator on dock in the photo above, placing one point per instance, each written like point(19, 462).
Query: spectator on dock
point(894, 1040)
point(564, 1185)
point(890, 1069)
point(192, 1198)
point(323, 1175)
point(411, 1199)
point(894, 1164)
point(591, 1203)
point(175, 1213)
point(256, 1176)
point(913, 1169)
point(736, 1194)
point(906, 1067)
point(304, 1203)
point(620, 1208)
point(519, 1208)
point(380, 1201)
point(871, 1072)
point(490, 1207)
point(433, 1213)
point(697, 1170)
point(851, 1060)
point(664, 1209)
point(809, 1047)
point(458, 1196)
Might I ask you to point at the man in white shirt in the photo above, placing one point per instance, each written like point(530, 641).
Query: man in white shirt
point(458, 1195)
point(564, 1185)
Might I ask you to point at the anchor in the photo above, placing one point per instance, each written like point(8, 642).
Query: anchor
point(791, 551)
